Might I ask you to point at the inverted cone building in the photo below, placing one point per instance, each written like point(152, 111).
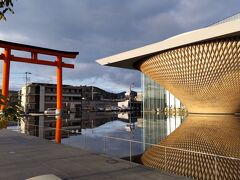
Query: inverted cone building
point(201, 68)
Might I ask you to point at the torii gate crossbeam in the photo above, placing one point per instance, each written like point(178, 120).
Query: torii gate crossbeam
point(7, 57)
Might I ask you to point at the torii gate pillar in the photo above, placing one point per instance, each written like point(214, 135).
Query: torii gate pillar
point(59, 101)
point(5, 73)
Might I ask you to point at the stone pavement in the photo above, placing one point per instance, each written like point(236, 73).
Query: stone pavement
point(24, 156)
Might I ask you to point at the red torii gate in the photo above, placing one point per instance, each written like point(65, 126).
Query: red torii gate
point(7, 57)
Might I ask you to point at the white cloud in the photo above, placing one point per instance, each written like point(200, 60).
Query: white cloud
point(101, 28)
point(14, 37)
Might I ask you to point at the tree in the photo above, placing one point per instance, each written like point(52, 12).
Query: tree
point(11, 112)
point(5, 6)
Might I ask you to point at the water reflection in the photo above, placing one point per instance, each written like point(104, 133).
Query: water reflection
point(157, 126)
point(106, 132)
point(209, 135)
point(181, 145)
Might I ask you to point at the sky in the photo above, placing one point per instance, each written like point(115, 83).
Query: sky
point(101, 28)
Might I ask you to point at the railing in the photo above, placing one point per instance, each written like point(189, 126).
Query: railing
point(189, 163)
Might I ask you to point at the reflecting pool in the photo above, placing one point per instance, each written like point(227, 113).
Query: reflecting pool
point(196, 146)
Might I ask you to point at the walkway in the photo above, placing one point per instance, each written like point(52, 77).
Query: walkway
point(25, 156)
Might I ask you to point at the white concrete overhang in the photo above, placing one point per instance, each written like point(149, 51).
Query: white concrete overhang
point(129, 59)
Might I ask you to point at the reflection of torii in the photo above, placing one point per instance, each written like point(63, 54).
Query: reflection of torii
point(7, 57)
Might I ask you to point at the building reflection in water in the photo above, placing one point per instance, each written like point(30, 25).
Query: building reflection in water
point(209, 135)
point(91, 130)
point(157, 126)
point(72, 124)
point(171, 143)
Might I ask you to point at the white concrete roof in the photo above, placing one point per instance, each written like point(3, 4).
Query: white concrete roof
point(129, 58)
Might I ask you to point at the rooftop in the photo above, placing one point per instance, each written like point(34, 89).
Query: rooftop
point(130, 59)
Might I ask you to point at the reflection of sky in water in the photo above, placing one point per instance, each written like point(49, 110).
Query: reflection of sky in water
point(107, 128)
point(113, 138)
point(95, 139)
point(114, 129)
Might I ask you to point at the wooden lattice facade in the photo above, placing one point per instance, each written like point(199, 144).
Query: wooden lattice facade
point(204, 76)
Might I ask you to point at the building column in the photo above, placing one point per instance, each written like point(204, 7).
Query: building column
point(5, 73)
point(59, 101)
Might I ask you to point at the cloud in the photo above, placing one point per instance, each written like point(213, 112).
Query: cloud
point(14, 36)
point(102, 28)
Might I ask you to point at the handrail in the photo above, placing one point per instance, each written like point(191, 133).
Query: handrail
point(169, 147)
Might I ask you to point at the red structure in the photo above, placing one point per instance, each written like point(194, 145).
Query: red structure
point(7, 57)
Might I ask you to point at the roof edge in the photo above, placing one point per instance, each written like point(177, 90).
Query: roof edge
point(199, 35)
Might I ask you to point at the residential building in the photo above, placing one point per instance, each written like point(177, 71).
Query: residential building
point(13, 96)
point(37, 97)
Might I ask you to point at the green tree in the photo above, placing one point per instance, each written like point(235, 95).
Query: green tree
point(5, 6)
point(11, 112)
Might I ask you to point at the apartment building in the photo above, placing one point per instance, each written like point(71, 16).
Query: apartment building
point(13, 96)
point(37, 97)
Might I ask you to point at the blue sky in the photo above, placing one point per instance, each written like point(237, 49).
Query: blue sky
point(100, 28)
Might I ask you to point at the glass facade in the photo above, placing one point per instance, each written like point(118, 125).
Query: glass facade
point(160, 112)
point(157, 126)
point(156, 98)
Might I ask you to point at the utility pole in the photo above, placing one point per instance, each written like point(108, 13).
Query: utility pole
point(26, 90)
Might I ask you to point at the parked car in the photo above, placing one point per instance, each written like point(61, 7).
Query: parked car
point(129, 127)
point(50, 111)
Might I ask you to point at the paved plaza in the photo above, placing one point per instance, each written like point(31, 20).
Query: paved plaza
point(24, 156)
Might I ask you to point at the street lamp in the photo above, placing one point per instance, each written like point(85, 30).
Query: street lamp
point(26, 77)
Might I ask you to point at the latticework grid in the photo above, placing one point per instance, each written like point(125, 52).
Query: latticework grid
point(218, 135)
point(204, 76)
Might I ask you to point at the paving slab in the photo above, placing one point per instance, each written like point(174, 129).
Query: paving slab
point(24, 157)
